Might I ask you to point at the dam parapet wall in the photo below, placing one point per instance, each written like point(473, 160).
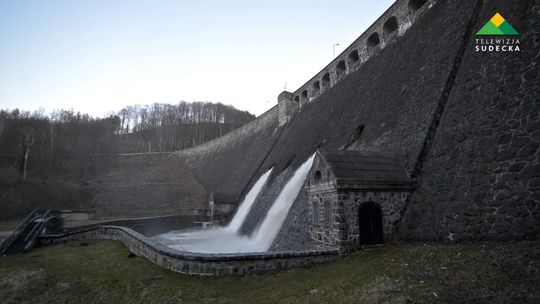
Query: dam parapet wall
point(391, 25)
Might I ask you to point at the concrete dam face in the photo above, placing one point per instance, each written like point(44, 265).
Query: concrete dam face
point(411, 129)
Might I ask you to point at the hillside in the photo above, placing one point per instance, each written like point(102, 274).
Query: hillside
point(114, 186)
point(105, 272)
point(117, 165)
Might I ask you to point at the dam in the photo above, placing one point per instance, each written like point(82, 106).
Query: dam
point(412, 88)
point(409, 134)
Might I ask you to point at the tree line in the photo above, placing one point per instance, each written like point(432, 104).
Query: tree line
point(33, 141)
point(165, 127)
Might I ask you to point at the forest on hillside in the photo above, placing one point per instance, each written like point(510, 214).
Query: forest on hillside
point(49, 140)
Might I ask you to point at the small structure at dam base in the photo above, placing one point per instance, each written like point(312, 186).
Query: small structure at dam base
point(355, 198)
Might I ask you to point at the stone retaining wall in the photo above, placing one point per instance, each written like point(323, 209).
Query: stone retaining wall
point(196, 263)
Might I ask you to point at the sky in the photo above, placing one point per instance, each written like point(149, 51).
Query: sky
point(100, 56)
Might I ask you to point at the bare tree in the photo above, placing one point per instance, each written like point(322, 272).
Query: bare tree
point(27, 141)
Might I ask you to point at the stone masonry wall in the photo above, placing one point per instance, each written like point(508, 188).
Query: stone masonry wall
point(394, 95)
point(326, 230)
point(481, 179)
point(243, 152)
point(197, 263)
point(464, 123)
point(294, 234)
point(343, 230)
point(391, 204)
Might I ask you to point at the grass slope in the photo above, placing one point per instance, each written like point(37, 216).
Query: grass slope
point(103, 272)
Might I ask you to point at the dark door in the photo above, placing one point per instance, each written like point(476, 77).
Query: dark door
point(370, 223)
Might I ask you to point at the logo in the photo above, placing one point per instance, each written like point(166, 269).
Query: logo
point(497, 26)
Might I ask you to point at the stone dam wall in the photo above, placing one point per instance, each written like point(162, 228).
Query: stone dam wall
point(465, 124)
point(481, 178)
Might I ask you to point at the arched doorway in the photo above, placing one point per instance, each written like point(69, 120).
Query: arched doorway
point(370, 223)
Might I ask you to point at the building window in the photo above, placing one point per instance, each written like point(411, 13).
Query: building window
point(328, 213)
point(315, 213)
point(304, 94)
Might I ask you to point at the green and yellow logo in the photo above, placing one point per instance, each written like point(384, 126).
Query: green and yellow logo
point(497, 25)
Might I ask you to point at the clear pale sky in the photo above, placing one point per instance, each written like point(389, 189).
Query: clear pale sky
point(99, 56)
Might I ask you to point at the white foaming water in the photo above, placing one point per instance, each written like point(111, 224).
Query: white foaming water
point(214, 240)
point(227, 239)
point(270, 227)
point(250, 198)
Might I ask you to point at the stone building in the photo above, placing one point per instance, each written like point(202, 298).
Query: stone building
point(355, 198)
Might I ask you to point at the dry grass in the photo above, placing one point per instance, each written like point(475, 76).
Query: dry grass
point(102, 272)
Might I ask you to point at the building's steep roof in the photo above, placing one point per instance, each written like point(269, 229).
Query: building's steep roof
point(355, 167)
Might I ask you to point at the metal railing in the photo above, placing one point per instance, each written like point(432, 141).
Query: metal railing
point(31, 238)
point(20, 228)
point(41, 217)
